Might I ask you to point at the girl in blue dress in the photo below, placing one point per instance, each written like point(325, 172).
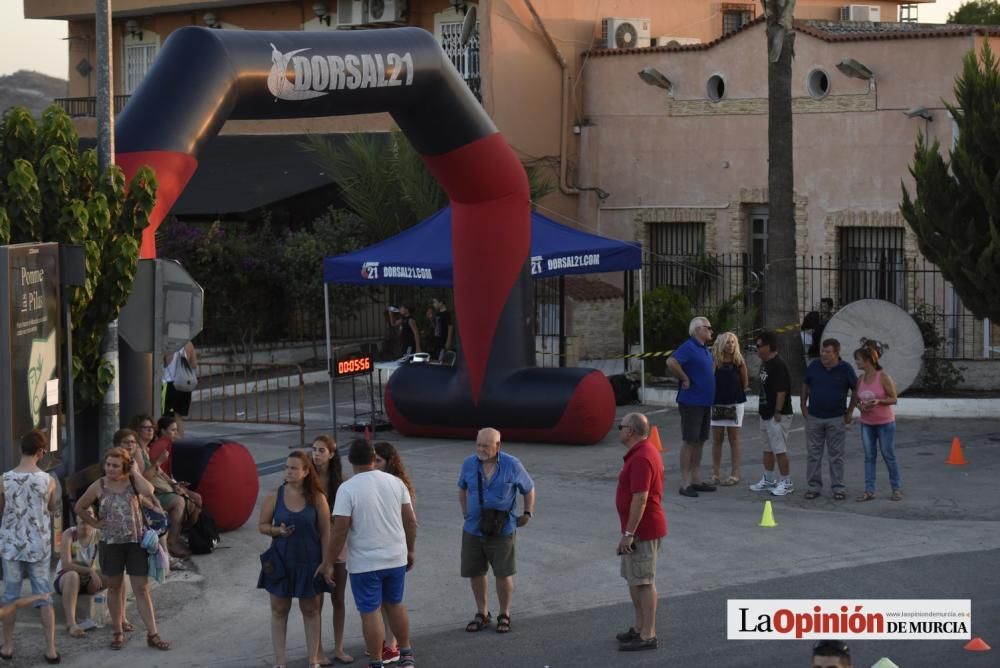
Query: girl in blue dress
point(297, 518)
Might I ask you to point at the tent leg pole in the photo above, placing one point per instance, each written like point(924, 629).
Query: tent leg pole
point(329, 359)
point(642, 341)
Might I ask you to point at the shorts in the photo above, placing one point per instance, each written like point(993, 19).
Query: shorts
point(84, 583)
point(694, 422)
point(117, 558)
point(481, 553)
point(776, 434)
point(639, 565)
point(14, 573)
point(372, 588)
point(738, 422)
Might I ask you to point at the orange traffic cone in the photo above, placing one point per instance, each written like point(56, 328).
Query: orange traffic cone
point(977, 644)
point(368, 434)
point(654, 436)
point(956, 458)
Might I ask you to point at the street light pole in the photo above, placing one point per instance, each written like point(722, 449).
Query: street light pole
point(109, 420)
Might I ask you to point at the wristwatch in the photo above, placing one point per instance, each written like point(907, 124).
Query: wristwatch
point(629, 534)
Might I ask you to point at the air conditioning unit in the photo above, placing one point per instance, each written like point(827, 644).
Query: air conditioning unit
point(351, 13)
point(675, 41)
point(624, 33)
point(386, 11)
point(871, 13)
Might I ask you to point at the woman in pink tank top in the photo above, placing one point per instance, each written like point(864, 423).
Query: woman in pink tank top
point(875, 396)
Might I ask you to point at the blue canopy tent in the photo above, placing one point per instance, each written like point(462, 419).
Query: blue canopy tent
point(421, 255)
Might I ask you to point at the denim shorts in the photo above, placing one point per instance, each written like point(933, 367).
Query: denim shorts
point(14, 573)
point(373, 588)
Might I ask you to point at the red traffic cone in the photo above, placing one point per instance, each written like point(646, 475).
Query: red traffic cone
point(956, 457)
point(368, 434)
point(977, 644)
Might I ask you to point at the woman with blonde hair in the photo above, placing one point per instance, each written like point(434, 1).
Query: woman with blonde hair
point(731, 382)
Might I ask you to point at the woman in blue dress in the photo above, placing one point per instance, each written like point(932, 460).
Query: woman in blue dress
point(297, 518)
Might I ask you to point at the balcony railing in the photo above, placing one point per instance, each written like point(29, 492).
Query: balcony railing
point(87, 106)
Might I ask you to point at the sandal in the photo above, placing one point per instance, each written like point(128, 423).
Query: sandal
point(156, 642)
point(117, 641)
point(730, 481)
point(503, 623)
point(75, 631)
point(839, 496)
point(479, 622)
point(716, 481)
point(127, 626)
point(897, 495)
point(867, 496)
point(810, 495)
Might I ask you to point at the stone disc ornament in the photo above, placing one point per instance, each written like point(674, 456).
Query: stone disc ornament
point(895, 331)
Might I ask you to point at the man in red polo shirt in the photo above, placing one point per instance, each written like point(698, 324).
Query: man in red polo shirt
point(643, 524)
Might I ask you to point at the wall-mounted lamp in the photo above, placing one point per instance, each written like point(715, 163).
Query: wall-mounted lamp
point(211, 20)
point(852, 68)
point(133, 29)
point(460, 5)
point(653, 77)
point(322, 12)
point(919, 112)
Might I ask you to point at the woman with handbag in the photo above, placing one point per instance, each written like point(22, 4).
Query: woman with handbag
point(180, 376)
point(330, 473)
point(171, 497)
point(297, 518)
point(122, 526)
point(731, 383)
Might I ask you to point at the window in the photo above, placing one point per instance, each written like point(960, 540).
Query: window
point(674, 246)
point(138, 60)
point(715, 88)
point(735, 17)
point(818, 84)
point(464, 58)
point(871, 264)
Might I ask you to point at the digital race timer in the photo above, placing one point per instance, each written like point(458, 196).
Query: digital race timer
point(353, 366)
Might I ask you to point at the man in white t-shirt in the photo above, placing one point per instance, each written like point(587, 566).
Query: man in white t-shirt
point(374, 514)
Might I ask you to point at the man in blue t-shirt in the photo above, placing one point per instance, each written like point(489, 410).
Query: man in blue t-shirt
point(491, 480)
point(825, 388)
point(693, 365)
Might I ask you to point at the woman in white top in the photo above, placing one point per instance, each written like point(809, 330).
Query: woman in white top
point(176, 402)
point(76, 571)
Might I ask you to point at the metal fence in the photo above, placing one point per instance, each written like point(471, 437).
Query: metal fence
point(255, 394)
point(87, 106)
point(913, 284)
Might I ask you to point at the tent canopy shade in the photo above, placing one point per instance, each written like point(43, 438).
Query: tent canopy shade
point(421, 255)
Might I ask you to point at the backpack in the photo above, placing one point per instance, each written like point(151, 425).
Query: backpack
point(626, 390)
point(203, 535)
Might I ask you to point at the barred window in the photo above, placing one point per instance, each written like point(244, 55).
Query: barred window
point(464, 58)
point(673, 246)
point(872, 264)
point(138, 60)
point(735, 17)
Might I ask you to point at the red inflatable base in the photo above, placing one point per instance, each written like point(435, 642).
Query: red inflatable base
point(229, 486)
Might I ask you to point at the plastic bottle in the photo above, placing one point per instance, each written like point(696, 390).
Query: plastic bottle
point(100, 613)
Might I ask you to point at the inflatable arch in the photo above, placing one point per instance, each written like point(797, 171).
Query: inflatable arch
point(204, 77)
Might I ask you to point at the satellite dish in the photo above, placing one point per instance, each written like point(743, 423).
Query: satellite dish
point(468, 25)
point(887, 324)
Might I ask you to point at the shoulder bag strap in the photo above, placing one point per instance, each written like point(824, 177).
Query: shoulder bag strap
point(142, 513)
point(479, 480)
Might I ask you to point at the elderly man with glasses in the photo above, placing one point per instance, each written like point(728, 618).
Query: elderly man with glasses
point(639, 500)
point(694, 366)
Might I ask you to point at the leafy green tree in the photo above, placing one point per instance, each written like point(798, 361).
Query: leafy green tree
point(666, 314)
point(387, 184)
point(49, 191)
point(956, 212)
point(977, 12)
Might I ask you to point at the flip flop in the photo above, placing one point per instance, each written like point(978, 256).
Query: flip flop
point(730, 481)
point(75, 631)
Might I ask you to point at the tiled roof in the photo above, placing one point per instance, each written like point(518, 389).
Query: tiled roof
point(831, 31)
point(586, 289)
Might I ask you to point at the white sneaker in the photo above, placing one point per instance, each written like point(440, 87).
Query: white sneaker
point(763, 485)
point(783, 487)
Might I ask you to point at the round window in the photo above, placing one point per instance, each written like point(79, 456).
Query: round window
point(716, 87)
point(818, 84)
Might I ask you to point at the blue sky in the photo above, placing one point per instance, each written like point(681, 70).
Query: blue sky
point(38, 45)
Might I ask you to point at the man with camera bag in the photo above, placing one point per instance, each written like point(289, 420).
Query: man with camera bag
point(488, 485)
